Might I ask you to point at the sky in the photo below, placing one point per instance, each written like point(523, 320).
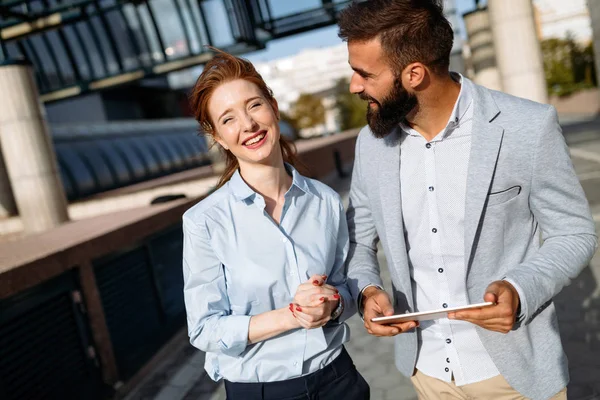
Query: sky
point(323, 37)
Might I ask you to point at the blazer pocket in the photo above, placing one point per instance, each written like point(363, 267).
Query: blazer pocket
point(503, 196)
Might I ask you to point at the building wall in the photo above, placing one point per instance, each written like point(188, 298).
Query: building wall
point(87, 108)
point(556, 18)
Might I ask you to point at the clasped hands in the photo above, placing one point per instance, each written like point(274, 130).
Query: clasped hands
point(314, 302)
point(499, 318)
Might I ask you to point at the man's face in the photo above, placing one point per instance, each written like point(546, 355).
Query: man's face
point(374, 81)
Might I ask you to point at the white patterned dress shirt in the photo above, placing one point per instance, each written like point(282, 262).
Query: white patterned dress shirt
point(433, 177)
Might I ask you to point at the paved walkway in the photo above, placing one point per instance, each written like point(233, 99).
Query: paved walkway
point(183, 377)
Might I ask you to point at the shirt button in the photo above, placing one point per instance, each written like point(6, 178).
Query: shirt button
point(448, 341)
point(447, 369)
point(445, 305)
point(296, 364)
point(431, 188)
point(284, 240)
point(434, 230)
point(448, 360)
point(440, 270)
point(428, 145)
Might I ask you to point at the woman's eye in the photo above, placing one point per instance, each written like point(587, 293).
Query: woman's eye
point(226, 120)
point(255, 105)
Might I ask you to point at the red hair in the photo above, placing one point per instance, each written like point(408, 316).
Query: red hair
point(222, 68)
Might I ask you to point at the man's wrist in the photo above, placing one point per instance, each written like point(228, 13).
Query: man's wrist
point(364, 294)
point(518, 313)
point(370, 291)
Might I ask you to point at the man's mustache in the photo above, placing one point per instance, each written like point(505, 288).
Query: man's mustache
point(366, 97)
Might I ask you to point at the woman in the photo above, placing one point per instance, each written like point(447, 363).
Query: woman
point(263, 260)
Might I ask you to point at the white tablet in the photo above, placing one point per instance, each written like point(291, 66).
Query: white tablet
point(427, 315)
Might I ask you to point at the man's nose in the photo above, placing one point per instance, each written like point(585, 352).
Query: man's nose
point(356, 84)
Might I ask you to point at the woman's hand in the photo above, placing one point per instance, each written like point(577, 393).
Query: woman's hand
point(312, 291)
point(314, 302)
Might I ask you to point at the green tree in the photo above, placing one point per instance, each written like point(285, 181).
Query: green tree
point(352, 111)
point(568, 66)
point(308, 111)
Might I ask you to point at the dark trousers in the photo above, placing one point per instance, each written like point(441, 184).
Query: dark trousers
point(337, 381)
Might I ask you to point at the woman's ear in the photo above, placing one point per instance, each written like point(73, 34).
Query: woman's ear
point(275, 108)
point(220, 141)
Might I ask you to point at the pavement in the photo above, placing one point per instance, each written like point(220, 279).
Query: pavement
point(181, 375)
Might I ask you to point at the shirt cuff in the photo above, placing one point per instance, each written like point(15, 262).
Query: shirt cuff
point(360, 297)
point(235, 334)
point(522, 303)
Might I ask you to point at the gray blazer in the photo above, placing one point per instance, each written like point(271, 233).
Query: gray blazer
point(520, 185)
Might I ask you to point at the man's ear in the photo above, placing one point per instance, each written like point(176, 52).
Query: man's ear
point(414, 75)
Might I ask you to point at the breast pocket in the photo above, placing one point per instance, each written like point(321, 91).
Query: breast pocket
point(503, 196)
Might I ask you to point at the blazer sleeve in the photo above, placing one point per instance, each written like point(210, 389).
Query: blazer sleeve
point(559, 205)
point(211, 328)
point(363, 267)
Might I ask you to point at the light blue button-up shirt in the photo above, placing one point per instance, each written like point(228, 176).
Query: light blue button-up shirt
point(237, 262)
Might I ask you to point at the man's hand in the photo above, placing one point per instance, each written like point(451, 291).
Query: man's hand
point(376, 303)
point(501, 317)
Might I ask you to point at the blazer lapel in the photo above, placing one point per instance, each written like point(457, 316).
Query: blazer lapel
point(389, 195)
point(486, 141)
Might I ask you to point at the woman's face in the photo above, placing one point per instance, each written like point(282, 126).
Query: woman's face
point(245, 122)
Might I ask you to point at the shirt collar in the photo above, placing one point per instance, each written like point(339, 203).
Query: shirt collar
point(242, 191)
point(463, 102)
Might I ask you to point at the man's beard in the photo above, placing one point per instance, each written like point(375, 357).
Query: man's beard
point(391, 111)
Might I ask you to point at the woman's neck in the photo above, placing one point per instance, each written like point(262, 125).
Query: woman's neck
point(271, 181)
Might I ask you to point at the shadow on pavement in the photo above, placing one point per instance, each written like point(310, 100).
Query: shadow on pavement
point(578, 309)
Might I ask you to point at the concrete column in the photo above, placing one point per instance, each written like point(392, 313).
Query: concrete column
point(483, 53)
point(594, 9)
point(457, 62)
point(28, 152)
point(518, 49)
point(7, 201)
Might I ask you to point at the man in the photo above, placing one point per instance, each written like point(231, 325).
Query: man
point(474, 198)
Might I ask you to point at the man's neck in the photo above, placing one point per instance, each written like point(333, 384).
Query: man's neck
point(435, 106)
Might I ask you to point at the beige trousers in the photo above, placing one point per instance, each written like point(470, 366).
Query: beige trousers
point(429, 388)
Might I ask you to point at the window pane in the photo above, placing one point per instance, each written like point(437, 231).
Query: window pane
point(170, 28)
point(97, 60)
point(139, 34)
point(218, 23)
point(13, 51)
point(282, 8)
point(98, 27)
point(125, 47)
point(45, 61)
point(157, 51)
point(64, 64)
point(197, 21)
point(189, 26)
point(78, 52)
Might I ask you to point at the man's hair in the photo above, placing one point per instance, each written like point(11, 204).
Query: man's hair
point(409, 30)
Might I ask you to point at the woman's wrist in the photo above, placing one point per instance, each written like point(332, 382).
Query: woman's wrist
point(288, 320)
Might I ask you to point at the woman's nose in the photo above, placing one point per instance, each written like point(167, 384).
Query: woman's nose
point(249, 123)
